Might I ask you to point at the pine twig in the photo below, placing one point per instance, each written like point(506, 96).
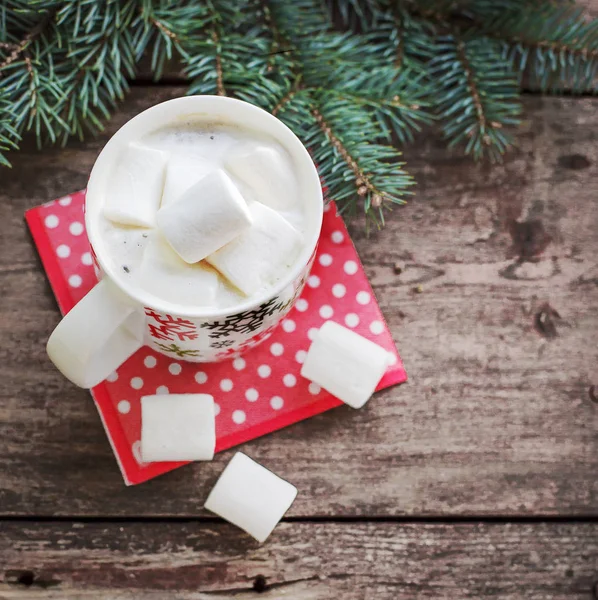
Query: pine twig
point(473, 88)
point(27, 39)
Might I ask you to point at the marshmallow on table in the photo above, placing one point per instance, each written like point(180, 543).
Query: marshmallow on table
point(183, 171)
point(135, 189)
point(251, 497)
point(177, 427)
point(266, 171)
point(345, 364)
point(163, 273)
point(207, 216)
point(261, 254)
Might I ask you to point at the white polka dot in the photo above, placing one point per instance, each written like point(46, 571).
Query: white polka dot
point(175, 368)
point(112, 376)
point(311, 334)
point(216, 409)
point(86, 258)
point(351, 320)
point(392, 358)
point(264, 371)
point(289, 380)
point(75, 281)
point(327, 207)
point(363, 297)
point(376, 327)
point(314, 389)
point(239, 417)
point(288, 325)
point(226, 385)
point(63, 251)
point(252, 395)
point(300, 356)
point(301, 305)
point(337, 237)
point(276, 402)
point(338, 290)
point(325, 260)
point(277, 349)
point(51, 221)
point(350, 267)
point(150, 362)
point(239, 364)
point(136, 383)
point(65, 201)
point(313, 281)
point(76, 228)
point(201, 377)
point(162, 390)
point(326, 311)
point(124, 407)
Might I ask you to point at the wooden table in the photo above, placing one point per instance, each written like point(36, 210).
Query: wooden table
point(476, 479)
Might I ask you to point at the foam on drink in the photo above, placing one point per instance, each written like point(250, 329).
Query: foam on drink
point(194, 150)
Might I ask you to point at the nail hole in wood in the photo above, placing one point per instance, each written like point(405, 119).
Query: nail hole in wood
point(25, 578)
point(545, 321)
point(260, 584)
point(593, 394)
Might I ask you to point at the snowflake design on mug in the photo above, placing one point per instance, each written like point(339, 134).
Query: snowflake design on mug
point(222, 344)
point(247, 321)
point(169, 328)
point(174, 349)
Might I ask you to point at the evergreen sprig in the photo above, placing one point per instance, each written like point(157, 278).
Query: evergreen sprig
point(355, 79)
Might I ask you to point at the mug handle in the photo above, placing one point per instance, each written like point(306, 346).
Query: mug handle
point(96, 336)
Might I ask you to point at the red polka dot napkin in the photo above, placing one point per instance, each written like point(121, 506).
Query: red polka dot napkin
point(256, 394)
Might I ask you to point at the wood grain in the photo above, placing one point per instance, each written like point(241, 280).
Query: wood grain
point(304, 561)
point(496, 418)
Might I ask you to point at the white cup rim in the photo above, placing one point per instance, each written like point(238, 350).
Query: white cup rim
point(206, 106)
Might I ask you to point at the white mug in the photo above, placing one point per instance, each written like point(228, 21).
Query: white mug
point(117, 318)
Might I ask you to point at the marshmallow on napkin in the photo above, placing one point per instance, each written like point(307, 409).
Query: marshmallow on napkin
point(164, 274)
point(262, 254)
point(207, 216)
point(345, 364)
point(135, 188)
point(267, 172)
point(177, 427)
point(251, 497)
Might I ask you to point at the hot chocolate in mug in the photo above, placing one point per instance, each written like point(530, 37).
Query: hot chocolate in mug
point(117, 317)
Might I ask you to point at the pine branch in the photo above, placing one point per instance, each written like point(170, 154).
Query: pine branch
point(478, 95)
point(557, 44)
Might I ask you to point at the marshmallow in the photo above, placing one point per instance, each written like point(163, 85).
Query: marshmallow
point(165, 275)
point(207, 216)
point(251, 497)
point(182, 172)
point(134, 192)
point(345, 364)
point(267, 172)
point(261, 254)
point(177, 427)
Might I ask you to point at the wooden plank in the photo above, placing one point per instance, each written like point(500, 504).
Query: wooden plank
point(301, 560)
point(496, 418)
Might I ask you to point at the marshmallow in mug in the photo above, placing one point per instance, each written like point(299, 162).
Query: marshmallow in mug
point(260, 255)
point(163, 273)
point(135, 189)
point(266, 172)
point(207, 216)
point(345, 364)
point(183, 171)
